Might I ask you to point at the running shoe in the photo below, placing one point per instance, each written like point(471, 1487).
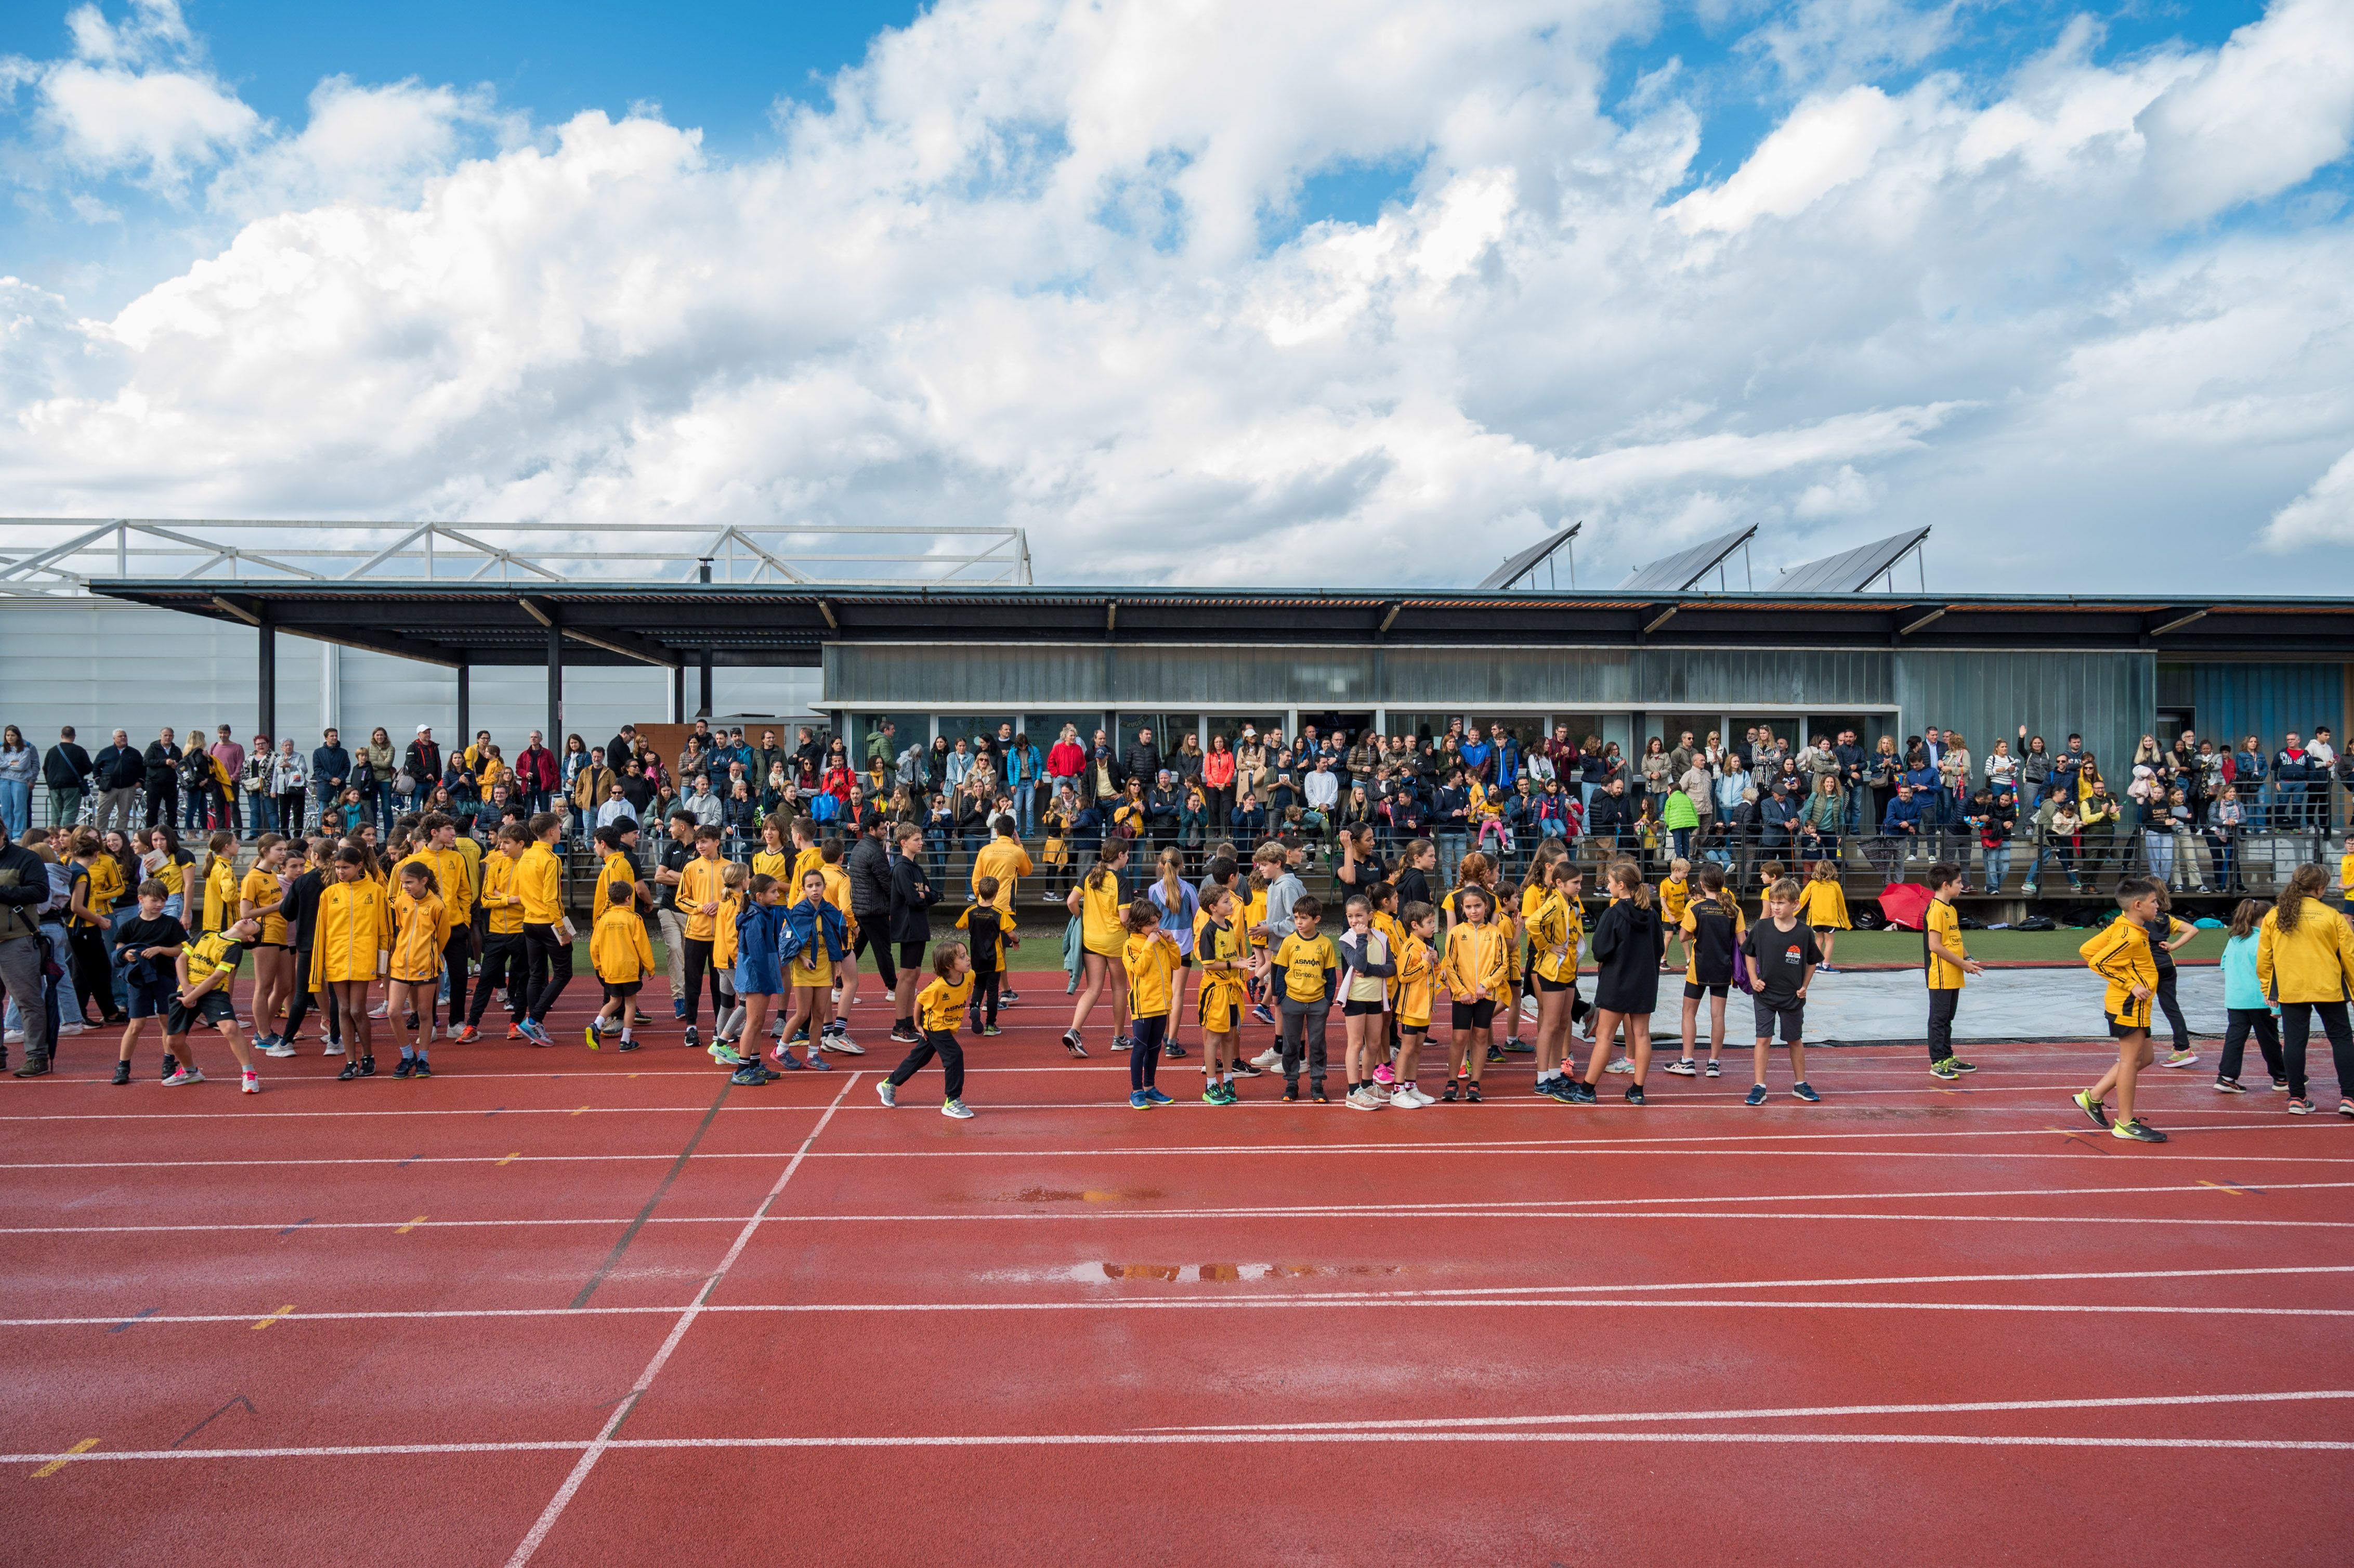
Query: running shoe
point(1212, 1096)
point(2280, 1086)
point(1008, 999)
point(121, 1073)
point(1383, 1075)
point(1262, 1015)
point(1404, 1098)
point(2228, 1087)
point(627, 1044)
point(693, 1036)
point(2345, 1108)
point(843, 1043)
point(514, 1032)
point(1121, 1043)
point(277, 1048)
point(956, 1111)
point(1959, 1065)
point(815, 1063)
point(1172, 1050)
point(1449, 1096)
point(1072, 1043)
point(469, 1034)
point(1825, 970)
point(424, 1069)
point(1634, 1094)
point(609, 1026)
point(750, 1076)
point(1495, 1054)
point(785, 1060)
point(1291, 1091)
point(367, 1066)
point(351, 1070)
point(726, 1056)
point(331, 1047)
point(1252, 1069)
point(1715, 1069)
point(1358, 1099)
point(1152, 1093)
point(2297, 1105)
point(1520, 1047)
point(1757, 1095)
point(1556, 1088)
point(1270, 1058)
point(2092, 1107)
point(590, 1034)
point(1581, 1093)
point(1470, 1094)
point(1137, 1100)
point(1684, 1067)
point(906, 1034)
point(677, 1010)
point(1947, 1070)
point(1622, 1066)
point(2136, 1131)
point(408, 1067)
point(1805, 1091)
point(988, 1031)
point(250, 1082)
point(888, 1092)
point(2180, 1059)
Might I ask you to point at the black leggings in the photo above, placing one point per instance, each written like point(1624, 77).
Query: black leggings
point(985, 989)
point(941, 1042)
point(2173, 1011)
point(698, 960)
point(502, 965)
point(300, 1008)
point(1144, 1049)
point(2235, 1040)
point(2296, 1023)
point(454, 954)
point(551, 963)
point(93, 974)
point(1942, 1003)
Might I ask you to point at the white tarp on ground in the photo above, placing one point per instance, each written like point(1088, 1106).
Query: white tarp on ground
point(1859, 1008)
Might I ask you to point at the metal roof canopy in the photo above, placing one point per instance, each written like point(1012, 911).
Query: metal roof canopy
point(1525, 563)
point(676, 625)
point(1851, 571)
point(1679, 572)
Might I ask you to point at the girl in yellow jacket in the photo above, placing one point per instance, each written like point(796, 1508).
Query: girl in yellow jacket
point(353, 927)
point(220, 881)
point(1822, 904)
point(1477, 969)
point(2305, 961)
point(420, 930)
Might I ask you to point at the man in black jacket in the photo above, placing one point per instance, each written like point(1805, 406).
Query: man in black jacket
point(118, 772)
point(1142, 761)
point(912, 897)
point(162, 759)
point(24, 888)
point(331, 769)
point(422, 761)
point(868, 865)
point(1610, 821)
point(65, 772)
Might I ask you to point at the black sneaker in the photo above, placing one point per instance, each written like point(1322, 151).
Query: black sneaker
point(694, 1037)
point(1291, 1091)
point(122, 1072)
point(171, 1065)
point(1072, 1043)
point(904, 1033)
point(1495, 1054)
point(1243, 1069)
point(626, 1046)
point(1581, 1093)
point(1121, 1043)
point(1448, 1094)
point(424, 1069)
point(1634, 1094)
point(1172, 1049)
point(367, 1066)
point(351, 1070)
point(407, 1068)
point(1470, 1094)
point(1318, 1095)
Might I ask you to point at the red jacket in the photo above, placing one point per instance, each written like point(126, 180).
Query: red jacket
point(1218, 770)
point(1067, 759)
point(536, 767)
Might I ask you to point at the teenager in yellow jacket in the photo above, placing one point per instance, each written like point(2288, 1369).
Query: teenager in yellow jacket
point(353, 932)
point(420, 924)
point(2305, 961)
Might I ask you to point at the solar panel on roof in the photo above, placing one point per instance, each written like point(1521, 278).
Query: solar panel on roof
point(1674, 573)
point(1850, 571)
point(1517, 567)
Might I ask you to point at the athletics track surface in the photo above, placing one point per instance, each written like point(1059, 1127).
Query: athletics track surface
point(586, 1310)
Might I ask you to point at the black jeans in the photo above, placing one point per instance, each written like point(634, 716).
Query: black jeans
point(2235, 1040)
point(550, 961)
point(873, 936)
point(502, 965)
point(2173, 1011)
point(1942, 1004)
point(2296, 1024)
point(1144, 1035)
point(985, 990)
point(941, 1042)
point(699, 960)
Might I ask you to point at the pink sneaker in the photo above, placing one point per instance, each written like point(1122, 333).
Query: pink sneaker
point(1382, 1075)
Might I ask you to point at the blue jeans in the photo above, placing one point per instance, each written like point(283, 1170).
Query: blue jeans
point(194, 804)
point(1025, 808)
point(1997, 867)
point(264, 816)
point(17, 806)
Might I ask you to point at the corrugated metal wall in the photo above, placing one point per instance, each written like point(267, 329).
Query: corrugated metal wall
point(2229, 701)
point(2109, 698)
point(97, 667)
point(1675, 677)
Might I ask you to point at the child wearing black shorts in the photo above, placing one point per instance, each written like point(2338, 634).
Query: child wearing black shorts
point(144, 949)
point(1783, 956)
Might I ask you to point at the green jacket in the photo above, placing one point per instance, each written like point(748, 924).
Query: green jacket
point(1677, 811)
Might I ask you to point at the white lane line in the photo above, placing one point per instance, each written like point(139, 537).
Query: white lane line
point(596, 1450)
point(1632, 1211)
point(1780, 1413)
point(1539, 1208)
point(1188, 1439)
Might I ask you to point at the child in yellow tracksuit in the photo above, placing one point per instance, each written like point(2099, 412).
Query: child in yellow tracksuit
point(2119, 953)
point(1822, 904)
point(1475, 969)
point(2305, 961)
point(1150, 957)
point(623, 955)
point(421, 930)
point(1417, 983)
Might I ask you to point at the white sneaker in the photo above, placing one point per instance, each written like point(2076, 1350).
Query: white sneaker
point(69, 1028)
point(1405, 1096)
point(2182, 1059)
point(842, 1044)
point(251, 1084)
point(1363, 1100)
point(1622, 1064)
point(14, 1037)
point(330, 1048)
point(1268, 1059)
point(184, 1076)
point(379, 1009)
point(956, 1111)
point(888, 1092)
point(280, 1049)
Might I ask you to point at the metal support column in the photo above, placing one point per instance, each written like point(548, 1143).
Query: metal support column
point(555, 687)
point(702, 708)
point(266, 667)
point(465, 735)
point(676, 688)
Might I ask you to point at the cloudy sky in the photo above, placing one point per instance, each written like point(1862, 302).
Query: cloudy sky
point(1209, 290)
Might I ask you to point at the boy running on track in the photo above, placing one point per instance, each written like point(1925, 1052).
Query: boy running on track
point(941, 1007)
point(2119, 953)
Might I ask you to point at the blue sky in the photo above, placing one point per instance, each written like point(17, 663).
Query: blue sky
point(1193, 292)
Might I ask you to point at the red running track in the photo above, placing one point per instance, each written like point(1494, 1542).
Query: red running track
point(572, 1308)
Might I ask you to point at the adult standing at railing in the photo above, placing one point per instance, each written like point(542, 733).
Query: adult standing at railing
point(19, 766)
point(2292, 773)
point(66, 770)
point(1024, 770)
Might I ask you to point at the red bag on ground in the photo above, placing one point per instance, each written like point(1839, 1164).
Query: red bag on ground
point(1905, 905)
